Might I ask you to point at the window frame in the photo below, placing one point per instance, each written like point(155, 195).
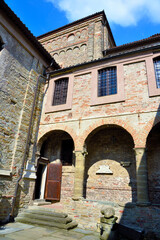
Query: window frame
point(49, 107)
point(107, 81)
point(157, 67)
point(63, 82)
point(112, 98)
point(151, 76)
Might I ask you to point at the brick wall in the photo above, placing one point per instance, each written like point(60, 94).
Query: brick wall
point(131, 119)
point(112, 147)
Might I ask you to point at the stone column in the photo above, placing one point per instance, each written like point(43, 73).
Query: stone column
point(141, 172)
point(79, 175)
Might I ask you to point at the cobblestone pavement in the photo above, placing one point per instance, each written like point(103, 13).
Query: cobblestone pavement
point(19, 231)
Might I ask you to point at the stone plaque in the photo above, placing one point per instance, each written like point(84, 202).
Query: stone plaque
point(104, 169)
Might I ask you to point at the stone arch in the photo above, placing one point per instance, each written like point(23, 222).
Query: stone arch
point(56, 57)
point(61, 53)
point(102, 122)
point(78, 35)
point(64, 39)
point(146, 130)
point(76, 48)
point(69, 51)
point(69, 57)
point(71, 37)
point(83, 47)
point(45, 132)
point(84, 33)
point(53, 45)
point(76, 53)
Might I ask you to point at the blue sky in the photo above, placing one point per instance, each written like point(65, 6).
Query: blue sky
point(130, 20)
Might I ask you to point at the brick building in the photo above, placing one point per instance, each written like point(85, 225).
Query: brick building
point(100, 121)
point(100, 118)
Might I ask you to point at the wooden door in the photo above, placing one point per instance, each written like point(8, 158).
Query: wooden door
point(53, 181)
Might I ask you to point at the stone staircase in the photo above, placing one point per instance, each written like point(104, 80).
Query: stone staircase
point(46, 217)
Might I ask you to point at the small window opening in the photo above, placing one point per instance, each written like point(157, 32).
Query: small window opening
point(107, 81)
point(60, 91)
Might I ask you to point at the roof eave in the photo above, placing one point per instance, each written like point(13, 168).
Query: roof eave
point(108, 57)
point(28, 35)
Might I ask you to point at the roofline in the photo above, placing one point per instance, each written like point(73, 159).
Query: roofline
point(77, 22)
point(119, 54)
point(138, 43)
point(26, 32)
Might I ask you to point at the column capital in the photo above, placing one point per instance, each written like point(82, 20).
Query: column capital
point(78, 152)
point(139, 150)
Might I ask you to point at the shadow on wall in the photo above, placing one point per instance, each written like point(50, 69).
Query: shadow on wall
point(5, 208)
point(145, 214)
point(110, 147)
point(21, 201)
point(5, 201)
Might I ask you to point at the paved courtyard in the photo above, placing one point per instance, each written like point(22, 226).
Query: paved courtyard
point(20, 231)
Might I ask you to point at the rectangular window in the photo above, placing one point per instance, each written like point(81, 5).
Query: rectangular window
point(60, 91)
point(107, 81)
point(157, 71)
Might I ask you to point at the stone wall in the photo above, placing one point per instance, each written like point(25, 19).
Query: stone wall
point(19, 72)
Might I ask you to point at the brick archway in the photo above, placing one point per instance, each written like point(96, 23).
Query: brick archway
point(141, 142)
point(46, 131)
point(121, 123)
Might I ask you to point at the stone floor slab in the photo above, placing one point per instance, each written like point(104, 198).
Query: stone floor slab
point(7, 230)
point(84, 231)
point(6, 238)
point(19, 225)
point(20, 231)
point(90, 237)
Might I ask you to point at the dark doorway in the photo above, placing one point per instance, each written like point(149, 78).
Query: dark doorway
point(67, 152)
point(38, 181)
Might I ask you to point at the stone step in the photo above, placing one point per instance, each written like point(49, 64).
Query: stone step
point(46, 213)
point(40, 202)
point(48, 218)
point(27, 220)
